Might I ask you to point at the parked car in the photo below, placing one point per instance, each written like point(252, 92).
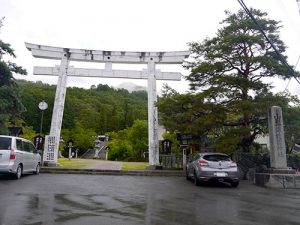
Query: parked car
point(18, 156)
point(205, 167)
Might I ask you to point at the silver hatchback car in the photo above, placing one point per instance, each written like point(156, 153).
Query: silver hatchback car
point(205, 167)
point(18, 156)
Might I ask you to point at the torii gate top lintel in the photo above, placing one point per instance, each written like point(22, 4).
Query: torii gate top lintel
point(49, 52)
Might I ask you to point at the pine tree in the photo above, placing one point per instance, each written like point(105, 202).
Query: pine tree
point(229, 96)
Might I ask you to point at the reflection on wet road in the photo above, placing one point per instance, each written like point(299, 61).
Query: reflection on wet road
point(67, 209)
point(97, 206)
point(82, 199)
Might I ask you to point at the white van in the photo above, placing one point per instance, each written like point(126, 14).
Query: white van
point(18, 156)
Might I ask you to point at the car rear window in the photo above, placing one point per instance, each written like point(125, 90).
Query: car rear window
point(216, 158)
point(5, 143)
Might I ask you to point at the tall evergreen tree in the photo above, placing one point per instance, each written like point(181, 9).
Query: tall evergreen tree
point(227, 72)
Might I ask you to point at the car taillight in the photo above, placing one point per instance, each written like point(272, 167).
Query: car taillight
point(12, 154)
point(232, 164)
point(203, 163)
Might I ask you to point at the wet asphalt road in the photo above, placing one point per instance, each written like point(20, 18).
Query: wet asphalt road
point(91, 199)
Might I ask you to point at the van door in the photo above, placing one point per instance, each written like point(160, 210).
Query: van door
point(21, 153)
point(5, 148)
point(33, 157)
point(26, 155)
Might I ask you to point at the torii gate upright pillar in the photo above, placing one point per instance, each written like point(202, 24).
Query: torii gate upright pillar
point(58, 108)
point(152, 117)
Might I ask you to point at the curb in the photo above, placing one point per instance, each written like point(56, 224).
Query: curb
point(179, 173)
point(285, 181)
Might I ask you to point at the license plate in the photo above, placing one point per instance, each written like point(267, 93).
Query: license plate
point(221, 174)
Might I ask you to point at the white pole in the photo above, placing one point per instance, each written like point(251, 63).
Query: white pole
point(152, 117)
point(59, 103)
point(41, 126)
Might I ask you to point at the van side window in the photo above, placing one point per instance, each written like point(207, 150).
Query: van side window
point(19, 144)
point(26, 146)
point(32, 148)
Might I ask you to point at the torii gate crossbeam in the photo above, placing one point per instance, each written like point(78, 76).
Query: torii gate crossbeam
point(108, 57)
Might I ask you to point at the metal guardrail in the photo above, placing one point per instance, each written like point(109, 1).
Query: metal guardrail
point(253, 160)
point(248, 162)
point(245, 161)
point(173, 161)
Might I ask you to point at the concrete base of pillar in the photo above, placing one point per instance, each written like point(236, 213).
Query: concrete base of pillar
point(278, 178)
point(281, 171)
point(50, 164)
point(154, 167)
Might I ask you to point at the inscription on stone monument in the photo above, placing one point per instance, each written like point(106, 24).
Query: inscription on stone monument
point(277, 143)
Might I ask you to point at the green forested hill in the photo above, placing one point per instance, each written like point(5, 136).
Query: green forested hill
point(100, 109)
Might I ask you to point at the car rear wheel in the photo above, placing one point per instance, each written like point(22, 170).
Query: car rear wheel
point(37, 170)
point(18, 173)
point(196, 179)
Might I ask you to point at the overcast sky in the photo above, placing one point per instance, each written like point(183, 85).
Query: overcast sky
point(131, 25)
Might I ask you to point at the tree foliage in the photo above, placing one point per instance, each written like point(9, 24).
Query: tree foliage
point(230, 97)
point(129, 144)
point(291, 116)
point(87, 112)
point(11, 106)
point(82, 138)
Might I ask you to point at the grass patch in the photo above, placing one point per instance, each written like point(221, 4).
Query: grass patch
point(75, 163)
point(134, 166)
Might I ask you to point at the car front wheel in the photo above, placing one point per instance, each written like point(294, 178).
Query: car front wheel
point(196, 179)
point(37, 170)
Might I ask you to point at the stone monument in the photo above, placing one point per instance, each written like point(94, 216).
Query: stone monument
point(279, 175)
point(277, 140)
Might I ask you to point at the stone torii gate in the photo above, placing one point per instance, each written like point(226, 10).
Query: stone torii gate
point(108, 57)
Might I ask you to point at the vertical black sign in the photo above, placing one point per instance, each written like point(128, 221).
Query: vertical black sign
point(39, 142)
point(166, 146)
